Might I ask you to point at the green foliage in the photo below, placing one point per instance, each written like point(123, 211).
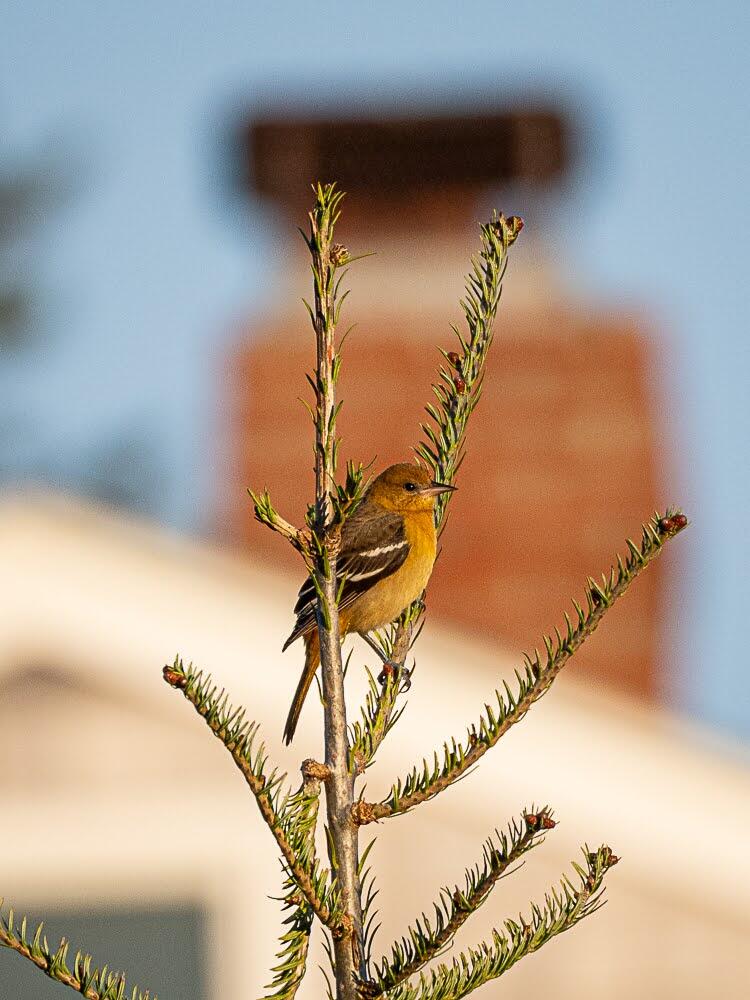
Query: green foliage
point(563, 908)
point(459, 385)
point(343, 898)
point(458, 390)
point(427, 938)
point(96, 984)
point(369, 913)
point(266, 513)
point(348, 911)
point(346, 496)
point(295, 941)
point(377, 718)
point(326, 259)
point(278, 807)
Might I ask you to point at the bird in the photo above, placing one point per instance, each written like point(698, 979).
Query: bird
point(388, 549)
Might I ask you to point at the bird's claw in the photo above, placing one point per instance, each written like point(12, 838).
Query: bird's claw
point(393, 671)
point(388, 672)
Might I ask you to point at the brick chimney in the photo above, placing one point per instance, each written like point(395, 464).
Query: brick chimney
point(561, 454)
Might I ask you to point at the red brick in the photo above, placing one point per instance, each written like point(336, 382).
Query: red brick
point(561, 466)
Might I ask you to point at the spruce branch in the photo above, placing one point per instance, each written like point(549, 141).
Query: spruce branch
point(278, 808)
point(348, 494)
point(378, 715)
point(90, 982)
point(563, 908)
point(342, 898)
point(457, 392)
point(427, 938)
point(324, 316)
point(533, 681)
point(459, 385)
point(368, 895)
point(295, 941)
point(377, 718)
point(325, 522)
point(266, 513)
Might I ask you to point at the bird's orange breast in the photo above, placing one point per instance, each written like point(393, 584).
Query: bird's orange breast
point(388, 598)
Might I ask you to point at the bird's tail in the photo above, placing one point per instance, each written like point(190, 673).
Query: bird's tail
point(312, 659)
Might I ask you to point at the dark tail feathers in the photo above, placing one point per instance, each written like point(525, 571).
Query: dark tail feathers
point(312, 659)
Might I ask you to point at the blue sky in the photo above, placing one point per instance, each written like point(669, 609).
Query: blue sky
point(147, 274)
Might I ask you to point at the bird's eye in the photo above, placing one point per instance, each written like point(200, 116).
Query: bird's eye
point(411, 487)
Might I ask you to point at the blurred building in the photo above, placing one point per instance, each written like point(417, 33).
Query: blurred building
point(122, 284)
point(563, 452)
point(129, 829)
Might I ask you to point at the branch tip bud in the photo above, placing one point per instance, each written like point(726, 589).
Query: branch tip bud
point(344, 929)
point(610, 859)
point(360, 763)
point(672, 523)
point(175, 678)
point(339, 254)
point(509, 228)
point(314, 769)
point(363, 813)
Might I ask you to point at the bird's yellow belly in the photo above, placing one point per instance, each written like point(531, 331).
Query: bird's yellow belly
point(388, 598)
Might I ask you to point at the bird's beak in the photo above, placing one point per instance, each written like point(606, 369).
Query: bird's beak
point(435, 489)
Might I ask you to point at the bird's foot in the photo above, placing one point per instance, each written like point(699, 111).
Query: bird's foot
point(394, 671)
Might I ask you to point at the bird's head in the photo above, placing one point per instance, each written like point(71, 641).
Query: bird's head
point(406, 488)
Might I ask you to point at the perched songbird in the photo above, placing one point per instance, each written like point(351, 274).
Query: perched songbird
point(388, 548)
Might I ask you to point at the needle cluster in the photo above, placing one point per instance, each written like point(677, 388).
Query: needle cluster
point(83, 977)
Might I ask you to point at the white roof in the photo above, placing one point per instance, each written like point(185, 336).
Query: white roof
point(92, 606)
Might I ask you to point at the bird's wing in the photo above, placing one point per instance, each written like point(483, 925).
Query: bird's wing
point(373, 546)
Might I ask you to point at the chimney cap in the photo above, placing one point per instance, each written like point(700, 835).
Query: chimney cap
point(401, 158)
